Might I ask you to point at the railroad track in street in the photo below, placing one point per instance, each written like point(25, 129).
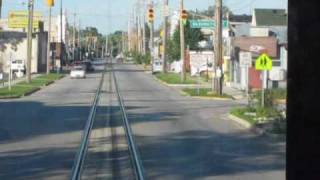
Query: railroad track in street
point(81, 157)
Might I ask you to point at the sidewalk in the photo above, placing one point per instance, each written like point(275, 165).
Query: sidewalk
point(235, 93)
point(13, 82)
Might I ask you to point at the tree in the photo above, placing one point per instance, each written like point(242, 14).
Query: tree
point(192, 38)
point(209, 12)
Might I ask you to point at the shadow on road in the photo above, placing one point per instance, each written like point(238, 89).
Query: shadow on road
point(184, 155)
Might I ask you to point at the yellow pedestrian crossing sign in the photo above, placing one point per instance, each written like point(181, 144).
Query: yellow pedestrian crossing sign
point(264, 62)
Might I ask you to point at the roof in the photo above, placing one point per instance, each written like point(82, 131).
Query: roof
point(246, 43)
point(240, 18)
point(281, 33)
point(241, 29)
point(270, 17)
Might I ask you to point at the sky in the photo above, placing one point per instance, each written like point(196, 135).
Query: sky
point(111, 15)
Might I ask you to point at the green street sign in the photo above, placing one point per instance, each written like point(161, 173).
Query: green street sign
point(264, 62)
point(207, 24)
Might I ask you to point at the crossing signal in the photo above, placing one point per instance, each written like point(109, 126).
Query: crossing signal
point(150, 15)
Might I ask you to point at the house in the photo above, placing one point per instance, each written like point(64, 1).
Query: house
point(268, 32)
point(237, 73)
point(268, 22)
point(13, 45)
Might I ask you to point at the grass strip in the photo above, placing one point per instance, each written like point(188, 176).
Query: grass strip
point(23, 88)
point(204, 92)
point(173, 78)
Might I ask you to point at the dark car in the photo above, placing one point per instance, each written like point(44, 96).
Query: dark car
point(88, 66)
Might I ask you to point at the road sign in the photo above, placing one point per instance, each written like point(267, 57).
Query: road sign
point(166, 11)
point(207, 24)
point(19, 19)
point(245, 59)
point(264, 62)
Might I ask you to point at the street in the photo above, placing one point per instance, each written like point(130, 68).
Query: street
point(178, 137)
point(184, 138)
point(40, 134)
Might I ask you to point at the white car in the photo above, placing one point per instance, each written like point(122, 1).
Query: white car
point(157, 66)
point(78, 72)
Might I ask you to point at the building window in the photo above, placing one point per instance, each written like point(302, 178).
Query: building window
point(276, 63)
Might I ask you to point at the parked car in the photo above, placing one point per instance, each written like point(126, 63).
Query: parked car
point(78, 72)
point(88, 66)
point(157, 66)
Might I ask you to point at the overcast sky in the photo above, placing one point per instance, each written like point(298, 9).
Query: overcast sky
point(96, 12)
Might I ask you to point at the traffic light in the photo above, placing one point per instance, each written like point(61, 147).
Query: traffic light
point(150, 15)
point(50, 3)
point(184, 16)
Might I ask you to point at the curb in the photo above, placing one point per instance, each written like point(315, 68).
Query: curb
point(240, 121)
point(10, 97)
point(31, 92)
point(247, 125)
point(253, 128)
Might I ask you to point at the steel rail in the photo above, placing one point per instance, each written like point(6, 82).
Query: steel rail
point(81, 155)
point(135, 158)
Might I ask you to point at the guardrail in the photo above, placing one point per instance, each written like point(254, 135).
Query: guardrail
point(135, 158)
point(79, 161)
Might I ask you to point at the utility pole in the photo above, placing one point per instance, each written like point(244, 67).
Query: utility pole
point(0, 8)
point(61, 33)
point(29, 45)
point(218, 48)
point(79, 40)
point(144, 28)
point(182, 43)
point(49, 40)
point(165, 19)
point(106, 44)
point(139, 32)
point(74, 37)
point(151, 23)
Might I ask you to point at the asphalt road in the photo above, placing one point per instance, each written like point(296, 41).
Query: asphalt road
point(40, 134)
point(178, 137)
point(184, 138)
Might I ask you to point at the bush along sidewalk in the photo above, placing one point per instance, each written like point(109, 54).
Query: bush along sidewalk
point(271, 118)
point(22, 89)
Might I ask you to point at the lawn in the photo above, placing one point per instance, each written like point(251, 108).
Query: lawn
point(23, 88)
point(204, 92)
point(173, 78)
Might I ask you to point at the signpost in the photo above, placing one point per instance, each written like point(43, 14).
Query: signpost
point(264, 64)
point(245, 59)
point(206, 24)
point(165, 11)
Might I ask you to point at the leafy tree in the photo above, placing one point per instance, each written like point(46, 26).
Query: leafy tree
point(192, 37)
point(209, 12)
